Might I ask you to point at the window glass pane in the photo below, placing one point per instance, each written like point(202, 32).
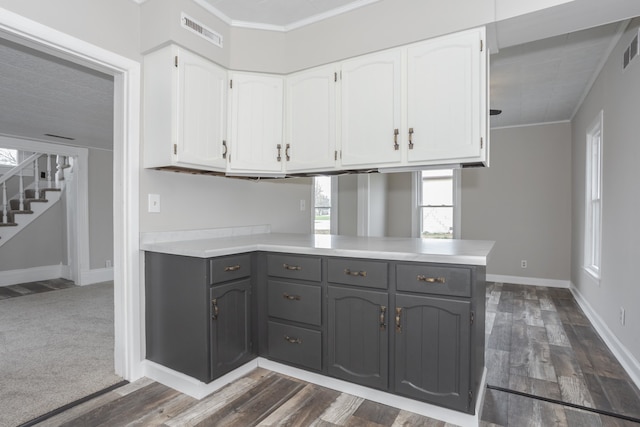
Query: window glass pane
point(437, 222)
point(437, 191)
point(8, 157)
point(322, 203)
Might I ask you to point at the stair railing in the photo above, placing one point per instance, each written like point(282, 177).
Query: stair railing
point(32, 160)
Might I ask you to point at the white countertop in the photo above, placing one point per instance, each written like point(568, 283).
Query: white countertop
point(470, 252)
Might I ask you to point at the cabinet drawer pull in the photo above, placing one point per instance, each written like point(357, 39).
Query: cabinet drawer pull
point(383, 313)
point(291, 297)
point(398, 319)
point(410, 138)
point(292, 267)
point(292, 340)
point(286, 152)
point(395, 139)
point(279, 157)
point(232, 267)
point(422, 278)
point(214, 309)
point(355, 273)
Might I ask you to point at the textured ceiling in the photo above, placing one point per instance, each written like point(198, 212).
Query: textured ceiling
point(41, 94)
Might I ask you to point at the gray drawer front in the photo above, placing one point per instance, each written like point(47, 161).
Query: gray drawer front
point(298, 346)
point(437, 280)
point(294, 267)
point(293, 301)
point(358, 272)
point(230, 267)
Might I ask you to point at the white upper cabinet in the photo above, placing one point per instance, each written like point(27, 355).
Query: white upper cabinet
point(256, 145)
point(311, 120)
point(184, 110)
point(370, 110)
point(446, 100)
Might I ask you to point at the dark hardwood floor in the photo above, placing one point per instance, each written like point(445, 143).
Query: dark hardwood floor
point(546, 364)
point(13, 291)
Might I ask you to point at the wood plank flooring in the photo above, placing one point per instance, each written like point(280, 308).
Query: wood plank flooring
point(14, 291)
point(538, 340)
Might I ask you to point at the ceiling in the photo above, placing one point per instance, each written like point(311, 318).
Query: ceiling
point(539, 74)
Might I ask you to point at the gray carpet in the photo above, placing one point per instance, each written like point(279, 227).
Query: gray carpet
point(55, 347)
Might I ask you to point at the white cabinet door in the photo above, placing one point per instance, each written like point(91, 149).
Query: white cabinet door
point(202, 105)
point(446, 91)
point(184, 110)
point(255, 137)
point(311, 120)
point(370, 109)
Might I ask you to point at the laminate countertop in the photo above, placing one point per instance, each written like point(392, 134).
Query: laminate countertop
point(469, 252)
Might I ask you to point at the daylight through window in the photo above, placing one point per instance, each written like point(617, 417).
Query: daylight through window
point(322, 205)
point(435, 203)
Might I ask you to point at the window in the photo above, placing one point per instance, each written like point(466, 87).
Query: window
point(437, 200)
point(8, 157)
point(323, 219)
point(593, 193)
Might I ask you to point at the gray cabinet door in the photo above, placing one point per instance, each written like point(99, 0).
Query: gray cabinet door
point(358, 338)
point(432, 359)
point(230, 312)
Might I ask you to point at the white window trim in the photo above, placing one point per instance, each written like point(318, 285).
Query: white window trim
point(333, 219)
point(594, 270)
point(416, 217)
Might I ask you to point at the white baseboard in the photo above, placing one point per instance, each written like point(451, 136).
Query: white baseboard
point(624, 356)
point(97, 275)
point(531, 281)
point(198, 389)
point(47, 272)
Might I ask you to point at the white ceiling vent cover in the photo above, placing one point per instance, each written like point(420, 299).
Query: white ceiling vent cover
point(204, 32)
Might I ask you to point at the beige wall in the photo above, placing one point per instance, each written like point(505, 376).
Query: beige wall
point(400, 203)
point(617, 94)
point(100, 187)
point(523, 201)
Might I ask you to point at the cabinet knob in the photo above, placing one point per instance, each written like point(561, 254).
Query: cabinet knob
point(422, 278)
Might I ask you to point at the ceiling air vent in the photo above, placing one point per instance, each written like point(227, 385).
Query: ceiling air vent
point(204, 32)
point(630, 53)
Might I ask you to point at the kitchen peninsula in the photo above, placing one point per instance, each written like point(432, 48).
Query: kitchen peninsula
point(401, 318)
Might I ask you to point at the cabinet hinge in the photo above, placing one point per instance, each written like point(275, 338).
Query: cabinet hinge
point(481, 142)
point(473, 317)
point(335, 77)
point(175, 61)
point(470, 398)
point(335, 155)
point(175, 148)
point(230, 84)
point(481, 45)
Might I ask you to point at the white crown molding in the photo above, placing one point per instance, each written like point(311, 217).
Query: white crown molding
point(281, 28)
point(139, 1)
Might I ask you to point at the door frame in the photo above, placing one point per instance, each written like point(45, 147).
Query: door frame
point(128, 295)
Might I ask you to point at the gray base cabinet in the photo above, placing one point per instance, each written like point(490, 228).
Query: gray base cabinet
point(198, 313)
point(432, 350)
point(358, 339)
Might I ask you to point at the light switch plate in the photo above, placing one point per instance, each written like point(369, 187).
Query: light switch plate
point(154, 203)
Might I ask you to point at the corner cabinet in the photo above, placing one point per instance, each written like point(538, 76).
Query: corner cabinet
point(256, 106)
point(198, 313)
point(185, 104)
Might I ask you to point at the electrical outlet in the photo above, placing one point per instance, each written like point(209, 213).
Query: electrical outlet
point(154, 203)
point(523, 263)
point(622, 313)
point(303, 204)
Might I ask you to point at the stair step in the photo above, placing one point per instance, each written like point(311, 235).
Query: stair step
point(31, 194)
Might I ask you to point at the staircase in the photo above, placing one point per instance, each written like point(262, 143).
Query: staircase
point(30, 202)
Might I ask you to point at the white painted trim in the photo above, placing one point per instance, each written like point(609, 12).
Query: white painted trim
point(531, 281)
point(624, 356)
point(363, 210)
point(197, 389)
point(97, 275)
point(34, 274)
point(281, 28)
point(191, 386)
point(127, 87)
